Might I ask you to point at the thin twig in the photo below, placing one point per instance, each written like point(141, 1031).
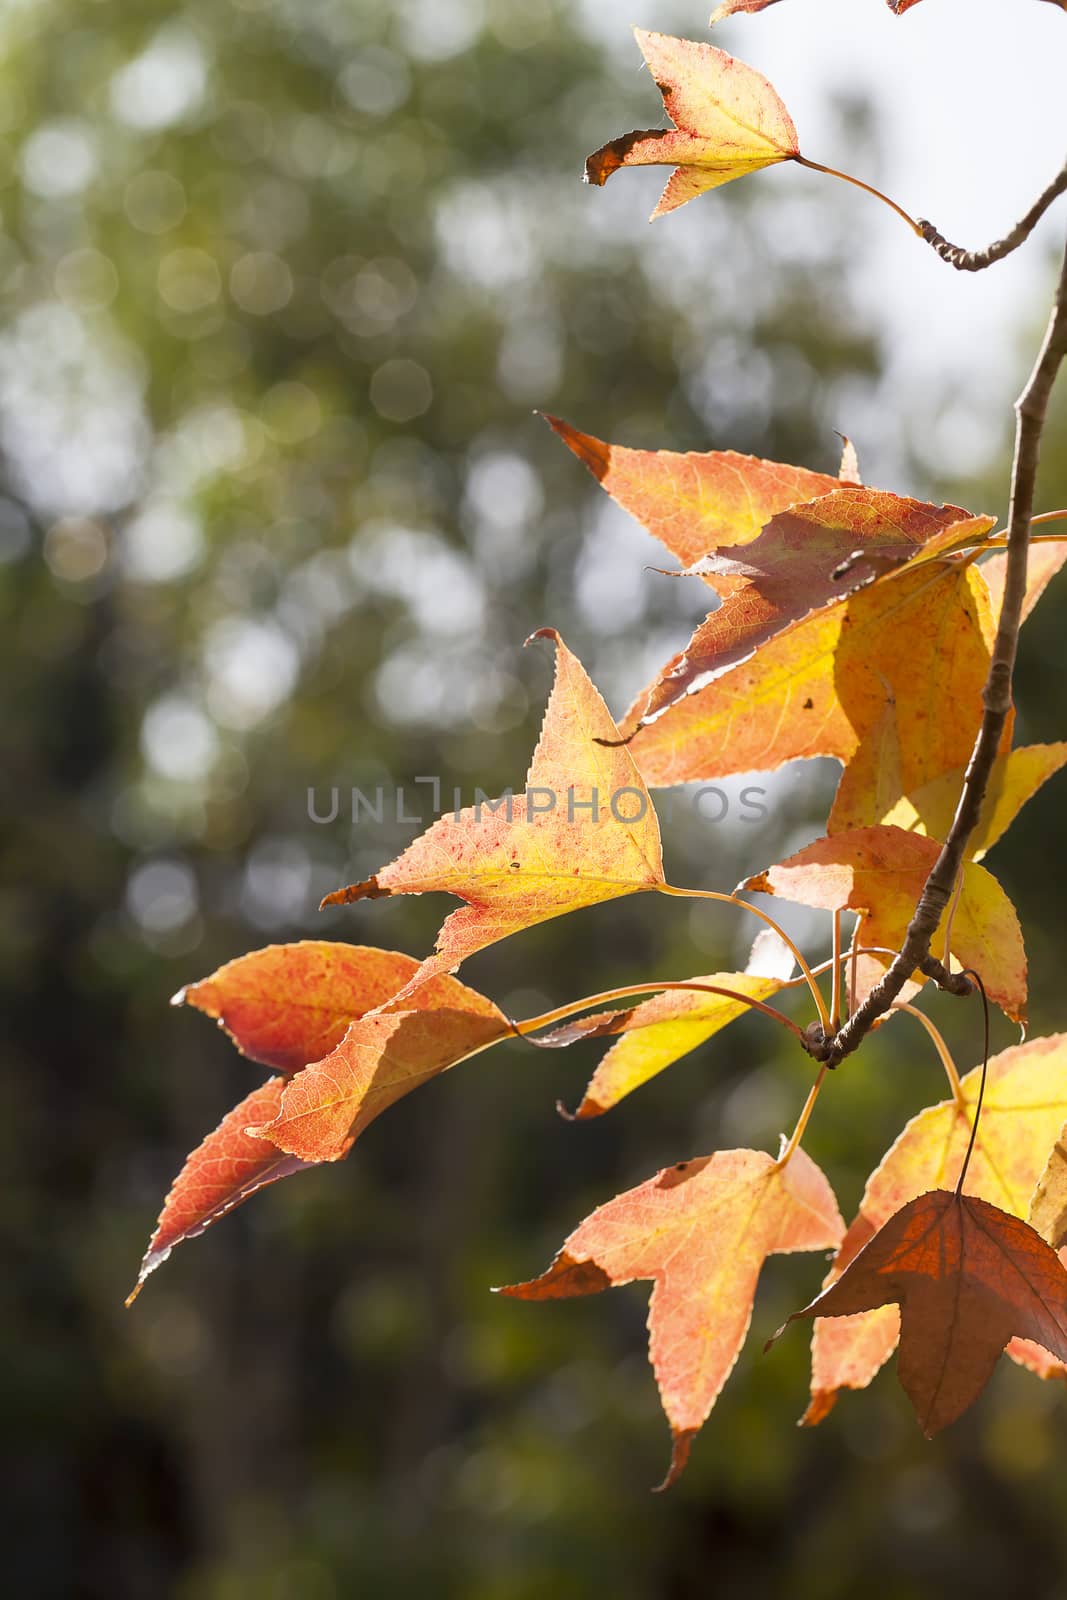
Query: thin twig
point(1031, 412)
point(978, 260)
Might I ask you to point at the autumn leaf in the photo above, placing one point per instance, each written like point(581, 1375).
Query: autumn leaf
point(730, 8)
point(382, 1057)
point(700, 1232)
point(289, 1004)
point(728, 122)
point(882, 872)
point(1044, 562)
point(859, 682)
point(849, 471)
point(968, 1278)
point(283, 1006)
point(797, 531)
point(585, 831)
point(1048, 1207)
point(225, 1170)
point(1015, 778)
point(821, 687)
point(1023, 1110)
point(797, 566)
point(655, 1033)
point(699, 501)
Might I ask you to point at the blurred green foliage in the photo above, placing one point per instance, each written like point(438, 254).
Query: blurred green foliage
point(281, 287)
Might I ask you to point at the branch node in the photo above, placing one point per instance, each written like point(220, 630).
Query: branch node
point(957, 983)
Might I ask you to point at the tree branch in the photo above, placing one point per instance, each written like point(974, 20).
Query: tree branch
point(1031, 411)
point(978, 260)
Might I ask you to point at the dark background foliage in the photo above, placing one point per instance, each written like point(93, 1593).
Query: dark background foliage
point(282, 286)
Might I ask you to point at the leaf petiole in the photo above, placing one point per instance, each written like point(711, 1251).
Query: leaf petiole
point(858, 183)
point(734, 900)
point(802, 1122)
point(630, 991)
point(951, 1070)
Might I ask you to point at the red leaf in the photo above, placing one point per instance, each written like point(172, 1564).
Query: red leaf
point(967, 1277)
point(225, 1170)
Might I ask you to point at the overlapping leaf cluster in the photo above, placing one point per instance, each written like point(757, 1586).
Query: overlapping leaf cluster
point(844, 622)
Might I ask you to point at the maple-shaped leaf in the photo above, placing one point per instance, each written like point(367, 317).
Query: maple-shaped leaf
point(1024, 1106)
point(728, 121)
point(283, 1006)
point(1015, 778)
point(918, 639)
point(585, 831)
point(226, 1169)
point(797, 531)
point(382, 1057)
point(730, 8)
point(700, 1231)
point(656, 1033)
point(882, 872)
point(968, 1278)
point(289, 1004)
point(695, 502)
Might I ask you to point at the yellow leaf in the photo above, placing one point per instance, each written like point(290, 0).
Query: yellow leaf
point(585, 831)
point(1015, 779)
point(728, 122)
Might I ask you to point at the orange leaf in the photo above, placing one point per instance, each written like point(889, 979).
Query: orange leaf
point(917, 640)
point(656, 1033)
point(1016, 777)
point(728, 122)
point(290, 1004)
point(1025, 1103)
point(565, 844)
point(730, 8)
point(700, 1232)
point(1044, 562)
point(382, 1057)
point(967, 1278)
point(796, 566)
point(797, 529)
point(226, 1169)
point(696, 502)
point(882, 872)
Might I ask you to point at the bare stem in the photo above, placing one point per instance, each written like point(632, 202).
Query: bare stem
point(951, 1070)
point(977, 260)
point(854, 957)
point(734, 900)
point(981, 1090)
point(858, 183)
point(1031, 413)
point(803, 1120)
point(630, 991)
point(835, 981)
